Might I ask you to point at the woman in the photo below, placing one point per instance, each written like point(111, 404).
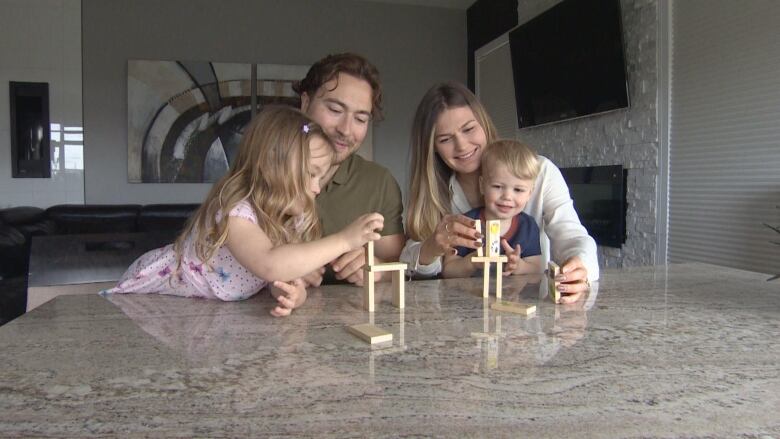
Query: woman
point(449, 131)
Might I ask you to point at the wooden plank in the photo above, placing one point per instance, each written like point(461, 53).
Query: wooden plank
point(368, 291)
point(387, 266)
point(399, 295)
point(503, 259)
point(553, 270)
point(370, 333)
point(513, 307)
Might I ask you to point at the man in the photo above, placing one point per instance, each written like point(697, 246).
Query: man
point(342, 93)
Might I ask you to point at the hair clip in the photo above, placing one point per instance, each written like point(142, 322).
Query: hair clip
point(306, 128)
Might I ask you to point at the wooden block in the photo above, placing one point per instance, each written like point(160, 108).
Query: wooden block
point(485, 279)
point(398, 289)
point(493, 244)
point(499, 278)
point(553, 270)
point(488, 259)
point(368, 291)
point(478, 226)
point(387, 266)
point(369, 253)
point(370, 333)
point(513, 307)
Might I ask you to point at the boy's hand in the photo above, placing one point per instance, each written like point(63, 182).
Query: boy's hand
point(513, 257)
point(290, 295)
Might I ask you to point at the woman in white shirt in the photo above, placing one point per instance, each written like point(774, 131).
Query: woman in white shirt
point(449, 131)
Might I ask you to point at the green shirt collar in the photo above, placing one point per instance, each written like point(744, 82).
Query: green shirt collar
point(343, 172)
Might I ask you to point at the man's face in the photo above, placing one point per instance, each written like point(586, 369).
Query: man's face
point(342, 107)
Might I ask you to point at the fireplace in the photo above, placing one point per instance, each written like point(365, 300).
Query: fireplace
point(599, 194)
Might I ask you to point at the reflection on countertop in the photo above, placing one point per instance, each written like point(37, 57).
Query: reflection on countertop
point(654, 351)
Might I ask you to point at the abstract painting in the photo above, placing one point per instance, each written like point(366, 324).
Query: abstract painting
point(186, 118)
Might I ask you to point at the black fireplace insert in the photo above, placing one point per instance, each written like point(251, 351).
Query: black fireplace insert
point(599, 194)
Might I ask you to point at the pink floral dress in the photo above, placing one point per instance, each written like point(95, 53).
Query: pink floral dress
point(227, 279)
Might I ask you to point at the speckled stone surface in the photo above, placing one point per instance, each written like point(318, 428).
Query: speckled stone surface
point(683, 351)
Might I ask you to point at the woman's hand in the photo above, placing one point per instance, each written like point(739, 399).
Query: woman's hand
point(290, 295)
point(573, 280)
point(453, 231)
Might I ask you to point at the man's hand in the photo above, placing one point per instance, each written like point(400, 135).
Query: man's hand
point(314, 279)
point(349, 267)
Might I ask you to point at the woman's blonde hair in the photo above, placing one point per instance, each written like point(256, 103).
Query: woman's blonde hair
point(518, 157)
point(429, 194)
point(271, 173)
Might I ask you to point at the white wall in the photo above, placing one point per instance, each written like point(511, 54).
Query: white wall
point(41, 42)
point(412, 46)
point(627, 137)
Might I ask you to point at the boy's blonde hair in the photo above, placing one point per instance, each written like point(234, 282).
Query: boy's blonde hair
point(519, 158)
point(271, 173)
point(429, 191)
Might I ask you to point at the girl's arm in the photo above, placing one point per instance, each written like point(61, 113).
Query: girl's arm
point(458, 266)
point(251, 247)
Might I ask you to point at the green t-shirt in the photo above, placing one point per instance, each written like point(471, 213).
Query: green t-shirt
point(359, 187)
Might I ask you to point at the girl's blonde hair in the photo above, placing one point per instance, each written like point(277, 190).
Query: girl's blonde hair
point(519, 158)
point(271, 173)
point(429, 194)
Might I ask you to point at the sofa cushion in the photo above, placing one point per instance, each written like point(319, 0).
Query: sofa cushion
point(22, 215)
point(164, 217)
point(94, 218)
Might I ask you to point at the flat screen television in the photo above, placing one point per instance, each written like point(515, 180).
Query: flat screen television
point(568, 62)
point(599, 194)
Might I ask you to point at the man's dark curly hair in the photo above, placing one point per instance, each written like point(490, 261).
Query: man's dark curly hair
point(350, 63)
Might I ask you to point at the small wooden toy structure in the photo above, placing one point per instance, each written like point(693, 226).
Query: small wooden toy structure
point(553, 270)
point(369, 271)
point(493, 246)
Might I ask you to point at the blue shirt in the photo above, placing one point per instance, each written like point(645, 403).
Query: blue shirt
point(526, 233)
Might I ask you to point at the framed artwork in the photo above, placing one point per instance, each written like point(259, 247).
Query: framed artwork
point(186, 118)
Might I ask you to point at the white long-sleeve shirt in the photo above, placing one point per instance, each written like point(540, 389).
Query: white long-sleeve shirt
point(562, 234)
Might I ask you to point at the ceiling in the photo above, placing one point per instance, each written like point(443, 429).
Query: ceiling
point(449, 4)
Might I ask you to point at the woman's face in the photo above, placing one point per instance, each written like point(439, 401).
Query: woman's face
point(459, 139)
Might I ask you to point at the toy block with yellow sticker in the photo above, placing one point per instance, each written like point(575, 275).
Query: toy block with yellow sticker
point(553, 270)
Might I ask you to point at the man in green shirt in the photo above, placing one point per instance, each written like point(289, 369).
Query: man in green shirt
point(343, 94)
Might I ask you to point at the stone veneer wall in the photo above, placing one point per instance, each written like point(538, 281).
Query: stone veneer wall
point(626, 137)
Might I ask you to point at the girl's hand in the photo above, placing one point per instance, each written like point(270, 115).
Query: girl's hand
point(363, 230)
point(512, 255)
point(453, 231)
point(573, 280)
point(290, 295)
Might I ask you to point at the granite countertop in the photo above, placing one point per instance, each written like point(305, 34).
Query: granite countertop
point(685, 350)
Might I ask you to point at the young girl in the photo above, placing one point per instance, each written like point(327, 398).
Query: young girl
point(270, 232)
point(509, 171)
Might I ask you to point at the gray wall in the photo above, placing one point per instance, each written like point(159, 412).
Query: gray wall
point(412, 46)
point(28, 54)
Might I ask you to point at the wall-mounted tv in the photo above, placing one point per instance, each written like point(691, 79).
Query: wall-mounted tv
point(568, 62)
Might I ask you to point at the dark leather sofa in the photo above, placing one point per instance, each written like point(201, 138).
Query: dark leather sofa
point(19, 224)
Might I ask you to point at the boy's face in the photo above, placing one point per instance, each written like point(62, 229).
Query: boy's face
point(505, 194)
